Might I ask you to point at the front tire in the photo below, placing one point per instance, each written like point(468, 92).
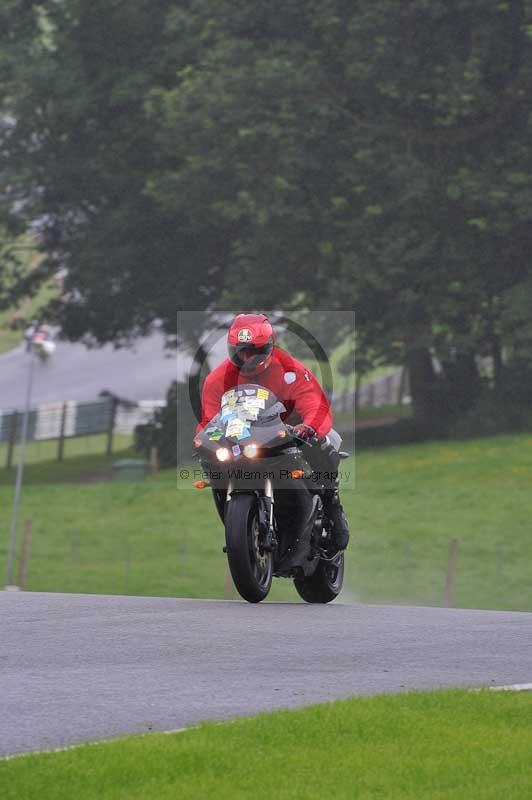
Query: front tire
point(251, 569)
point(325, 584)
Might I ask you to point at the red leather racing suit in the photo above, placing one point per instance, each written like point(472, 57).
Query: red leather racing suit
point(291, 382)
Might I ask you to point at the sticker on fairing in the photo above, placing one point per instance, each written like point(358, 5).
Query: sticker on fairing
point(235, 427)
point(216, 436)
point(236, 450)
point(244, 434)
point(247, 413)
point(254, 403)
point(263, 394)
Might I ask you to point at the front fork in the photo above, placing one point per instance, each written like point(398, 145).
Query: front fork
point(268, 540)
point(266, 519)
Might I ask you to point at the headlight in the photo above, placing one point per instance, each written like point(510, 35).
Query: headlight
point(222, 454)
point(251, 450)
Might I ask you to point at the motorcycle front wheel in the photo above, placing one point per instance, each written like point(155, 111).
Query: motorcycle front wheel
point(251, 568)
point(325, 584)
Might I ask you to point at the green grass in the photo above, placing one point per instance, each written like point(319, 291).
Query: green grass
point(9, 337)
point(438, 745)
point(411, 501)
point(13, 321)
point(76, 449)
point(377, 412)
point(408, 503)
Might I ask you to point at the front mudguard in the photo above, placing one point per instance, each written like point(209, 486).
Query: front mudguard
point(265, 511)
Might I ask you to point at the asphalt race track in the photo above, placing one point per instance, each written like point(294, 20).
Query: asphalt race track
point(85, 667)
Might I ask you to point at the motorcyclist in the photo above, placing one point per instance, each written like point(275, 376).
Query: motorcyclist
point(41, 341)
point(254, 357)
point(29, 333)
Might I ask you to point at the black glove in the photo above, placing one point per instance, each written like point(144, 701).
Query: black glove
point(304, 431)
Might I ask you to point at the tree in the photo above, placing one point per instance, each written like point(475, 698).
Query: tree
point(77, 158)
point(307, 153)
point(372, 155)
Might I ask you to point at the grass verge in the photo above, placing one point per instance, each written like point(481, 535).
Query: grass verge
point(13, 322)
point(81, 454)
point(438, 745)
point(410, 502)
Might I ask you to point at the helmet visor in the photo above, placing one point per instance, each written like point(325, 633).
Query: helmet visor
point(247, 357)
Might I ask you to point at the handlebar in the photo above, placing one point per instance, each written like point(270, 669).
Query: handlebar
point(310, 441)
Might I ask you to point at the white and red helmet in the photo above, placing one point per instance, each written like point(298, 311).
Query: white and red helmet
point(250, 342)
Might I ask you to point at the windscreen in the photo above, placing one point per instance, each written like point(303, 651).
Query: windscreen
point(244, 406)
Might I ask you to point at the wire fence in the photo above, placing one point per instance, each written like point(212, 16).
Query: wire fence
point(55, 555)
point(390, 390)
point(99, 422)
point(59, 422)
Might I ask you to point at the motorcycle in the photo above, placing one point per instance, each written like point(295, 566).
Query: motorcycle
point(268, 498)
point(42, 345)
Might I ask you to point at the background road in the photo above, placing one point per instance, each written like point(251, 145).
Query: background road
point(74, 372)
point(81, 667)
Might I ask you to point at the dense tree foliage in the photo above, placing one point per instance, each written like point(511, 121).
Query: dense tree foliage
point(374, 155)
point(79, 153)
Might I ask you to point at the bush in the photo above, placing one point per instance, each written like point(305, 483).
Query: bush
point(171, 429)
point(505, 409)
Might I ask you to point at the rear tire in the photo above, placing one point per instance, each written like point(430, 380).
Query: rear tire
point(251, 570)
point(325, 584)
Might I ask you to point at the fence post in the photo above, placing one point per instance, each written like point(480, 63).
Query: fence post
point(500, 562)
point(154, 460)
point(228, 585)
point(341, 401)
point(451, 573)
point(24, 555)
point(127, 568)
point(389, 388)
point(74, 544)
point(402, 382)
point(12, 439)
point(61, 442)
point(110, 432)
point(358, 384)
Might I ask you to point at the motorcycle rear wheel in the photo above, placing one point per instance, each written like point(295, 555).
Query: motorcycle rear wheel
point(251, 569)
point(325, 584)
